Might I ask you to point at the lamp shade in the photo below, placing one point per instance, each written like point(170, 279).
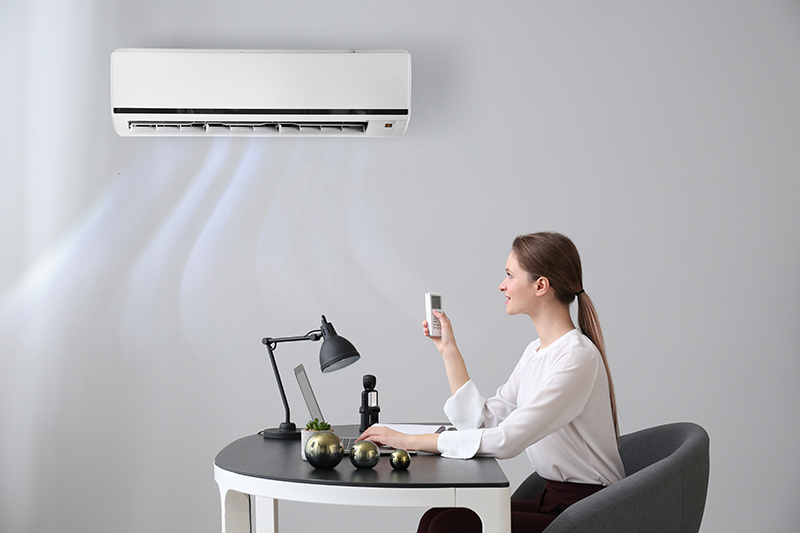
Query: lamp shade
point(336, 352)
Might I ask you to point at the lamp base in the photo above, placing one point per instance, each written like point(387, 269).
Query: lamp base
point(287, 430)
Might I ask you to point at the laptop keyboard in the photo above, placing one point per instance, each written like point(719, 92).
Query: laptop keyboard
point(347, 443)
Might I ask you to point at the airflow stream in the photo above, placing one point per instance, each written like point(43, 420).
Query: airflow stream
point(350, 93)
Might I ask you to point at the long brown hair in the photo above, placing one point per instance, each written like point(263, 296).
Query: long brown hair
point(555, 257)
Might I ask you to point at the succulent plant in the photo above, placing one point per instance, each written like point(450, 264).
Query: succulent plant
point(316, 425)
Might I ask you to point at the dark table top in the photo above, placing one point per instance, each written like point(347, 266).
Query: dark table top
point(280, 460)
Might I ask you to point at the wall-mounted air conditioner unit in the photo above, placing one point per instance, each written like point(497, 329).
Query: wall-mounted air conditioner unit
point(355, 93)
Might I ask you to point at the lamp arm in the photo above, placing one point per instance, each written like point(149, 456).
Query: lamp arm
point(310, 336)
point(280, 383)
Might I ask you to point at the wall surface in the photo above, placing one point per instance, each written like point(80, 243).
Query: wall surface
point(138, 276)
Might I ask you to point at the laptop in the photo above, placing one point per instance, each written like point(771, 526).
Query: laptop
point(313, 408)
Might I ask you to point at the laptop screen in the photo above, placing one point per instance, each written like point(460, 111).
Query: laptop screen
point(308, 393)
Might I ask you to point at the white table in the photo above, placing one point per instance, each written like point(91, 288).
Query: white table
point(254, 474)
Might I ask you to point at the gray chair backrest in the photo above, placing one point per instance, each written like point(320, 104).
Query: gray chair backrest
point(664, 490)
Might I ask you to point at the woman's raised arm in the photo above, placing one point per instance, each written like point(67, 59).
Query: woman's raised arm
point(454, 365)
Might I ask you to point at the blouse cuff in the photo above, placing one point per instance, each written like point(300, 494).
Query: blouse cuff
point(460, 444)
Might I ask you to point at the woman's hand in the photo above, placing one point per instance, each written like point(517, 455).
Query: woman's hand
point(383, 436)
point(446, 344)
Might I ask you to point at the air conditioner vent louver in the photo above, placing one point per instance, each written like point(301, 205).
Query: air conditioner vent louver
point(344, 93)
point(199, 129)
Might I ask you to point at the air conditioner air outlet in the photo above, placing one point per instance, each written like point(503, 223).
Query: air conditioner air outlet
point(195, 128)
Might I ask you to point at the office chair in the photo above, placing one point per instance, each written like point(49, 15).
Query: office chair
point(664, 490)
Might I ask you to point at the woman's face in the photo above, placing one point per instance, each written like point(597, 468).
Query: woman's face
point(518, 288)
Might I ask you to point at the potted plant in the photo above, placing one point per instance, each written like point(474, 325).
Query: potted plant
point(312, 426)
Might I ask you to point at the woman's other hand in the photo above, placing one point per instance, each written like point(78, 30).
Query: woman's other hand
point(384, 436)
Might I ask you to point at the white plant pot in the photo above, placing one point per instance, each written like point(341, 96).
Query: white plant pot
point(304, 436)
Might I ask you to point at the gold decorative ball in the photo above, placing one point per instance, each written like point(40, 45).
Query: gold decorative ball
point(365, 454)
point(324, 450)
point(400, 460)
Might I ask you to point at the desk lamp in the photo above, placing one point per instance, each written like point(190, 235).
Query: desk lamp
point(335, 353)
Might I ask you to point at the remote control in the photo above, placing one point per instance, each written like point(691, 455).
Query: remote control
point(433, 301)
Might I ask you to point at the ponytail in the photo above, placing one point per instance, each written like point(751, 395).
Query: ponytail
point(590, 326)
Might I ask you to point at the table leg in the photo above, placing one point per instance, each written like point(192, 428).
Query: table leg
point(235, 512)
point(266, 511)
point(492, 506)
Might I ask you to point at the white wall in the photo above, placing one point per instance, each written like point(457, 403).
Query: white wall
point(139, 275)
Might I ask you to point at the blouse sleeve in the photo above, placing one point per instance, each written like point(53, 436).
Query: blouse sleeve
point(468, 409)
point(470, 412)
point(465, 411)
point(500, 428)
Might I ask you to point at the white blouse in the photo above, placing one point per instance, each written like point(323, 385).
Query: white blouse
point(555, 406)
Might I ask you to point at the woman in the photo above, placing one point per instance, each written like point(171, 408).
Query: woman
point(558, 405)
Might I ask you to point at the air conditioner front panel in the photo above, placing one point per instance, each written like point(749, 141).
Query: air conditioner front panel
point(260, 86)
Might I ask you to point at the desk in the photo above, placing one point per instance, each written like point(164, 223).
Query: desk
point(271, 470)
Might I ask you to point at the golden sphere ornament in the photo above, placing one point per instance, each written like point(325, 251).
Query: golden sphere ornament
point(400, 460)
point(324, 450)
point(365, 454)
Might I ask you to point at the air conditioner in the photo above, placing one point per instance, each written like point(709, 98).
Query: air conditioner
point(350, 93)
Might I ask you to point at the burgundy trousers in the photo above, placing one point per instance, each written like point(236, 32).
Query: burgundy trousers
point(528, 516)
